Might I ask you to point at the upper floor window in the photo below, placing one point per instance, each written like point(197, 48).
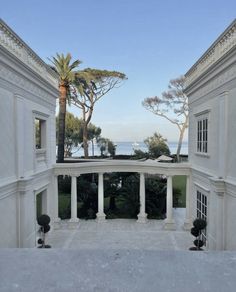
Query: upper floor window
point(202, 135)
point(202, 132)
point(40, 133)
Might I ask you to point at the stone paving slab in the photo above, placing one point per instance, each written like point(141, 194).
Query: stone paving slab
point(123, 234)
point(57, 270)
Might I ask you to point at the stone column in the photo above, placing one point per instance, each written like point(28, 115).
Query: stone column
point(74, 217)
point(142, 216)
point(188, 221)
point(100, 215)
point(56, 218)
point(169, 222)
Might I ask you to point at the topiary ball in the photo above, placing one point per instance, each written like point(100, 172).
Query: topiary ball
point(40, 241)
point(46, 228)
point(194, 231)
point(43, 220)
point(199, 223)
point(193, 248)
point(198, 243)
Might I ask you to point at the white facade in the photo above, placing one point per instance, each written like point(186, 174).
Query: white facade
point(28, 91)
point(211, 88)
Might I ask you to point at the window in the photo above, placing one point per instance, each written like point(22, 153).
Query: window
point(40, 135)
point(202, 210)
point(39, 205)
point(202, 135)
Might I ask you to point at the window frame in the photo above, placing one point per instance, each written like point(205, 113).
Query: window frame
point(43, 122)
point(202, 210)
point(202, 143)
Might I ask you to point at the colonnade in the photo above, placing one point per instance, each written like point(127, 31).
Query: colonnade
point(169, 222)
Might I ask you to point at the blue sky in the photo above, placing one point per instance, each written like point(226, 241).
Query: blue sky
point(151, 41)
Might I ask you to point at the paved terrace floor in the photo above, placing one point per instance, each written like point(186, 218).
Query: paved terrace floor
point(123, 234)
point(118, 256)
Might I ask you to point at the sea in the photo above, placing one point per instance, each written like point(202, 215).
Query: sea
point(128, 148)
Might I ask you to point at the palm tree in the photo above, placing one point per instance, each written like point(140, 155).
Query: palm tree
point(64, 68)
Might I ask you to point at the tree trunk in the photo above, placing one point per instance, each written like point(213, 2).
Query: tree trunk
point(85, 140)
point(61, 127)
point(181, 136)
point(86, 121)
point(92, 148)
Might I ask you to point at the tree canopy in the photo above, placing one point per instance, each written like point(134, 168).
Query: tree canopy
point(74, 133)
point(173, 106)
point(88, 87)
point(106, 146)
point(156, 145)
point(66, 72)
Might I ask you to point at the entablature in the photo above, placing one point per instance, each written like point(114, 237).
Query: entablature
point(167, 169)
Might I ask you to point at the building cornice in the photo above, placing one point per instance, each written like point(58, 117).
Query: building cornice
point(224, 43)
point(16, 46)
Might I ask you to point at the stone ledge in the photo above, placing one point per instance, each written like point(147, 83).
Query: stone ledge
point(116, 270)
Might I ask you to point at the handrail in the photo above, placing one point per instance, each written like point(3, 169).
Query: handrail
point(151, 167)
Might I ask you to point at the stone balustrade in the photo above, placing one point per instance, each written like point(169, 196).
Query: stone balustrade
point(220, 47)
point(13, 43)
point(147, 167)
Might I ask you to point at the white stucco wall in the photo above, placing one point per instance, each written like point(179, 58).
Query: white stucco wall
point(7, 136)
point(26, 92)
point(214, 174)
point(231, 142)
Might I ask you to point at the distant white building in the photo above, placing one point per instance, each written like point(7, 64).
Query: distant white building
point(28, 92)
point(211, 88)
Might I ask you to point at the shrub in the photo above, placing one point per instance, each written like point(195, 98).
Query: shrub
point(199, 223)
point(194, 231)
point(43, 220)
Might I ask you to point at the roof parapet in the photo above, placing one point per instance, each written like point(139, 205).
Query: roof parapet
point(14, 44)
point(224, 43)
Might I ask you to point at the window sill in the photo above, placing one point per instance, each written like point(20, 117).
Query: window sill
point(40, 151)
point(207, 155)
point(40, 155)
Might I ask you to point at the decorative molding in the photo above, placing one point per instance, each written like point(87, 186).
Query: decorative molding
point(201, 187)
point(40, 115)
point(211, 85)
point(219, 48)
point(40, 188)
point(15, 45)
point(8, 190)
point(230, 187)
point(218, 185)
point(204, 112)
point(24, 84)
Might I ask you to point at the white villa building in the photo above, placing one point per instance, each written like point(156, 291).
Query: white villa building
point(28, 169)
point(211, 89)
point(28, 92)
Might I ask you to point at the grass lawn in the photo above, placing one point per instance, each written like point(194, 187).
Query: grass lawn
point(64, 205)
point(179, 182)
